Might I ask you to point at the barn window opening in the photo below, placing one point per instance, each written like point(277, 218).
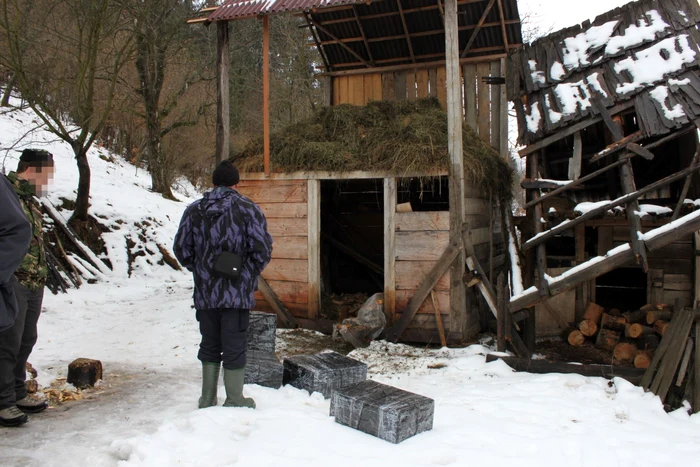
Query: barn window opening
point(622, 288)
point(423, 194)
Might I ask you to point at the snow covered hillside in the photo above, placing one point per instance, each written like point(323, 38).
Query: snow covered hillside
point(144, 412)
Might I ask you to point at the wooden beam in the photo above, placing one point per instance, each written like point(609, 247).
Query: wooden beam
point(472, 38)
point(502, 308)
point(437, 5)
point(684, 191)
point(503, 25)
point(266, 93)
point(282, 313)
point(593, 270)
point(313, 188)
point(364, 36)
point(223, 126)
point(461, 319)
point(696, 392)
point(541, 258)
point(339, 42)
point(405, 30)
point(390, 201)
point(617, 146)
point(632, 208)
point(406, 66)
point(576, 160)
point(582, 125)
point(633, 375)
point(352, 175)
point(601, 209)
point(613, 127)
point(428, 283)
point(314, 33)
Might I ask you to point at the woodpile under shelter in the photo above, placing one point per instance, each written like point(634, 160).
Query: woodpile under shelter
point(386, 225)
point(608, 117)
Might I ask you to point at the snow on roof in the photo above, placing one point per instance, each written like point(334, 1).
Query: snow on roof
point(646, 47)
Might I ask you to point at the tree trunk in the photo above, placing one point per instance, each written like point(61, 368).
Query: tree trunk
point(8, 91)
point(156, 158)
point(82, 201)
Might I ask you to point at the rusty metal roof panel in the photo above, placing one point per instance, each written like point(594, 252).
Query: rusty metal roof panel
point(234, 9)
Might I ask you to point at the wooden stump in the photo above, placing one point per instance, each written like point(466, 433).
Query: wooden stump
point(607, 339)
point(654, 316)
point(625, 351)
point(636, 330)
point(660, 327)
point(615, 323)
point(642, 358)
point(576, 338)
point(588, 328)
point(593, 313)
point(84, 372)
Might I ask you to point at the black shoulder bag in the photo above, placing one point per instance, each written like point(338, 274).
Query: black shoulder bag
point(226, 264)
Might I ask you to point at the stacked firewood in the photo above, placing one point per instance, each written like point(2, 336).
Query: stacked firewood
point(632, 337)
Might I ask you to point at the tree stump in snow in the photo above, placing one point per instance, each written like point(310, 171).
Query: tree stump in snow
point(84, 372)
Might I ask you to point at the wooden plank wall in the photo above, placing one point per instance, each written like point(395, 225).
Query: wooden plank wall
point(285, 205)
point(420, 239)
point(483, 103)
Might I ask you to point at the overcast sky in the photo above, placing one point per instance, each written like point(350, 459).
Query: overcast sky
point(552, 15)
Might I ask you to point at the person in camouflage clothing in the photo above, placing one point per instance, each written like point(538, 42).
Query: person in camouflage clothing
point(223, 220)
point(34, 173)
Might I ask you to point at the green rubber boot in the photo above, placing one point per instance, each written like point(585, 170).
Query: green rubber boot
point(210, 383)
point(233, 382)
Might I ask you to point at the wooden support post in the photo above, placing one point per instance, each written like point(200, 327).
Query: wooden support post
point(632, 208)
point(696, 372)
point(537, 217)
point(472, 38)
point(502, 312)
point(223, 126)
point(389, 249)
point(696, 291)
point(463, 321)
point(530, 331)
point(438, 318)
point(575, 161)
point(314, 246)
point(581, 295)
point(686, 187)
point(266, 93)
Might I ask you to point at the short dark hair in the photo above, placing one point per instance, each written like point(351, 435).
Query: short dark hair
point(34, 158)
point(225, 174)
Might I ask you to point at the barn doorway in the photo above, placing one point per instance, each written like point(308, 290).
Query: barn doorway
point(352, 244)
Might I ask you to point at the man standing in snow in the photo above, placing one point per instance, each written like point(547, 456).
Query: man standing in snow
point(223, 224)
point(34, 173)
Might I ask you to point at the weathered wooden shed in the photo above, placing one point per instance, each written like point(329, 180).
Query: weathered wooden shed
point(388, 50)
point(608, 114)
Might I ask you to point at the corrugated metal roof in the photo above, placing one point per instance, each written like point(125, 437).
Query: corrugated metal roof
point(383, 27)
point(234, 9)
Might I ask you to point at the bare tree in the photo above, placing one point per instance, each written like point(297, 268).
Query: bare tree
point(66, 56)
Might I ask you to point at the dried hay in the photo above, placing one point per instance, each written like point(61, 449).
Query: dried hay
point(399, 137)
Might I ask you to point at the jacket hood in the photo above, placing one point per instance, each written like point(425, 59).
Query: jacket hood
point(218, 201)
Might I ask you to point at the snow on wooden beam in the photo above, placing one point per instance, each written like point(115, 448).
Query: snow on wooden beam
point(595, 267)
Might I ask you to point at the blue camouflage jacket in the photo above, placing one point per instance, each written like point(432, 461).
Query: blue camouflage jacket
point(223, 220)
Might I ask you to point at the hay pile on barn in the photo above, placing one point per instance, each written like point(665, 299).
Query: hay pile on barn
point(399, 137)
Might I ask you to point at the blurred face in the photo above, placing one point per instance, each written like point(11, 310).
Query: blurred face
point(39, 177)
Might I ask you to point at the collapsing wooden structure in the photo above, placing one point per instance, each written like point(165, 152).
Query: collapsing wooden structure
point(608, 114)
point(391, 50)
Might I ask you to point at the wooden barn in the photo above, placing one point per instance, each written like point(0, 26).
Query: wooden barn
point(608, 116)
point(387, 227)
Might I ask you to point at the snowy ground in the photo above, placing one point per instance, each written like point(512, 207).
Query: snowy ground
point(144, 413)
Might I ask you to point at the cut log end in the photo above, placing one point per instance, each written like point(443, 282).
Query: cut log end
point(625, 351)
point(593, 313)
point(658, 315)
point(576, 338)
point(588, 328)
point(660, 327)
point(642, 358)
point(607, 339)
